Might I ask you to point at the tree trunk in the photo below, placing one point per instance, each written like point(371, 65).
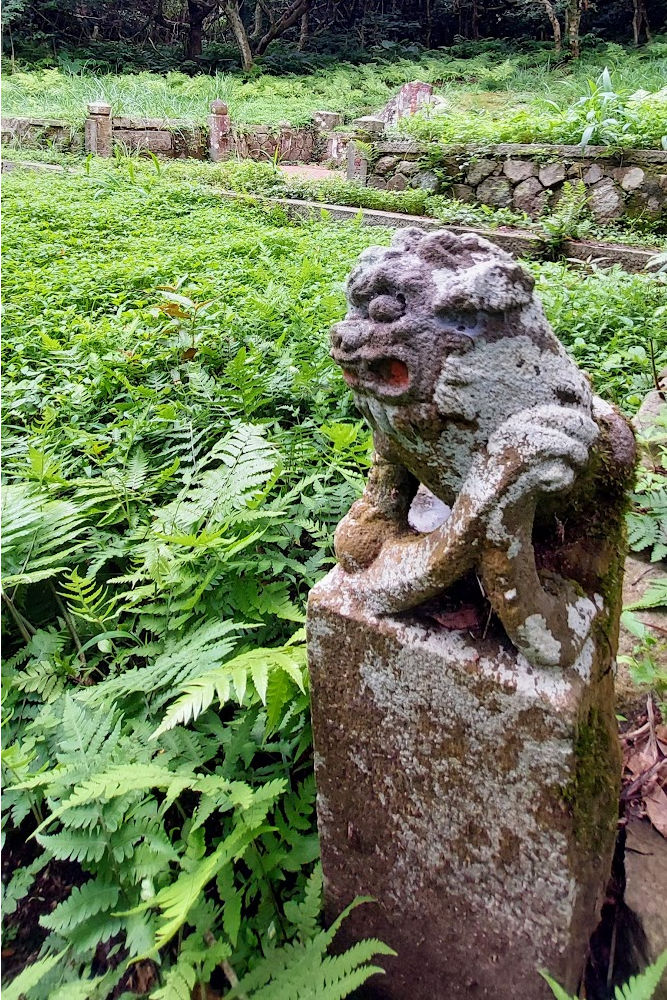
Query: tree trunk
point(194, 41)
point(258, 27)
point(555, 25)
point(238, 29)
point(573, 22)
point(639, 20)
point(304, 33)
point(474, 21)
point(293, 14)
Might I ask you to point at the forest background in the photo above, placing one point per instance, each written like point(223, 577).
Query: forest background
point(295, 35)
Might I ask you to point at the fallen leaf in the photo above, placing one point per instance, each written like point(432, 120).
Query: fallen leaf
point(655, 802)
point(463, 618)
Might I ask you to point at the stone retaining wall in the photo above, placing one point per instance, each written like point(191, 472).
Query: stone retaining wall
point(528, 178)
point(316, 143)
point(167, 138)
point(36, 133)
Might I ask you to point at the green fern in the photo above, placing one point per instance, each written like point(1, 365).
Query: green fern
point(39, 535)
point(175, 901)
point(83, 902)
point(305, 915)
point(641, 987)
point(303, 970)
point(179, 983)
point(86, 600)
point(252, 669)
point(30, 977)
point(655, 596)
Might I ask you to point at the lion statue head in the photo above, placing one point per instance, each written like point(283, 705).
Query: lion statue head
point(448, 326)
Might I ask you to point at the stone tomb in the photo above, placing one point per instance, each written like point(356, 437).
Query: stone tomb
point(462, 675)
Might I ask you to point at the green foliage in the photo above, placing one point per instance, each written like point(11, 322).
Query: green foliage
point(647, 523)
point(493, 97)
point(569, 220)
point(247, 177)
point(165, 514)
point(640, 987)
point(178, 447)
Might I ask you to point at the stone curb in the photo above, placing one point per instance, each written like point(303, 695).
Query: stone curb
point(517, 241)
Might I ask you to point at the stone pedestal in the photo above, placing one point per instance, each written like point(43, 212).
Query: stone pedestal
point(220, 132)
point(357, 164)
point(473, 795)
point(99, 129)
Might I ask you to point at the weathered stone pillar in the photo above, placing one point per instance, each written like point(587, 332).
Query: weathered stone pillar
point(367, 129)
point(462, 652)
point(99, 129)
point(220, 132)
point(357, 163)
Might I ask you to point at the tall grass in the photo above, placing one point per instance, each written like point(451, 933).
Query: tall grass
point(516, 82)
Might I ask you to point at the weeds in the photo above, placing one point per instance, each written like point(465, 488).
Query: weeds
point(178, 447)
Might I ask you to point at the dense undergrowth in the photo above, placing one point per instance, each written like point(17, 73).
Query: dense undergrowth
point(178, 448)
point(570, 219)
point(499, 94)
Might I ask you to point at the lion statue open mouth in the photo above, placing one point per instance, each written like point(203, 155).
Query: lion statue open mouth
point(469, 393)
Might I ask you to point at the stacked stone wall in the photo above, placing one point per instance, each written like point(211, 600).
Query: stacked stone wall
point(316, 143)
point(528, 178)
point(36, 133)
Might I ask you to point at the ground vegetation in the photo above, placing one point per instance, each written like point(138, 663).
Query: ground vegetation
point(178, 447)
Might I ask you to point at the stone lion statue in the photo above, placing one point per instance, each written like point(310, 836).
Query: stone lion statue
point(474, 403)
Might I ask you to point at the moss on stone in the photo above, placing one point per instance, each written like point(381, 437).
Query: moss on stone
point(591, 795)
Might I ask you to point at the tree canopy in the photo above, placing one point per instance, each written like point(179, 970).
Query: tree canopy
point(205, 34)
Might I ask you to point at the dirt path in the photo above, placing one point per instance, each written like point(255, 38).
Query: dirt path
point(312, 172)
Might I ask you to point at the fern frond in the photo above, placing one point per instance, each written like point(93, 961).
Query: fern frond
point(74, 845)
point(30, 977)
point(205, 645)
point(178, 985)
point(643, 987)
point(84, 901)
point(176, 900)
point(231, 679)
point(304, 972)
point(655, 596)
point(305, 915)
point(85, 599)
point(243, 462)
point(134, 474)
point(39, 534)
point(119, 780)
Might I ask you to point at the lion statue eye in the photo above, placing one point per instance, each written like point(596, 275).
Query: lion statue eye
point(386, 308)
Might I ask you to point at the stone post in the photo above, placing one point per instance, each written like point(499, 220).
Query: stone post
point(367, 128)
point(357, 163)
point(220, 132)
point(462, 652)
point(99, 129)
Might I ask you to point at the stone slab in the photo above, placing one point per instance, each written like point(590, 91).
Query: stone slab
point(130, 122)
point(517, 150)
point(516, 241)
point(14, 123)
point(478, 888)
point(156, 141)
point(48, 168)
